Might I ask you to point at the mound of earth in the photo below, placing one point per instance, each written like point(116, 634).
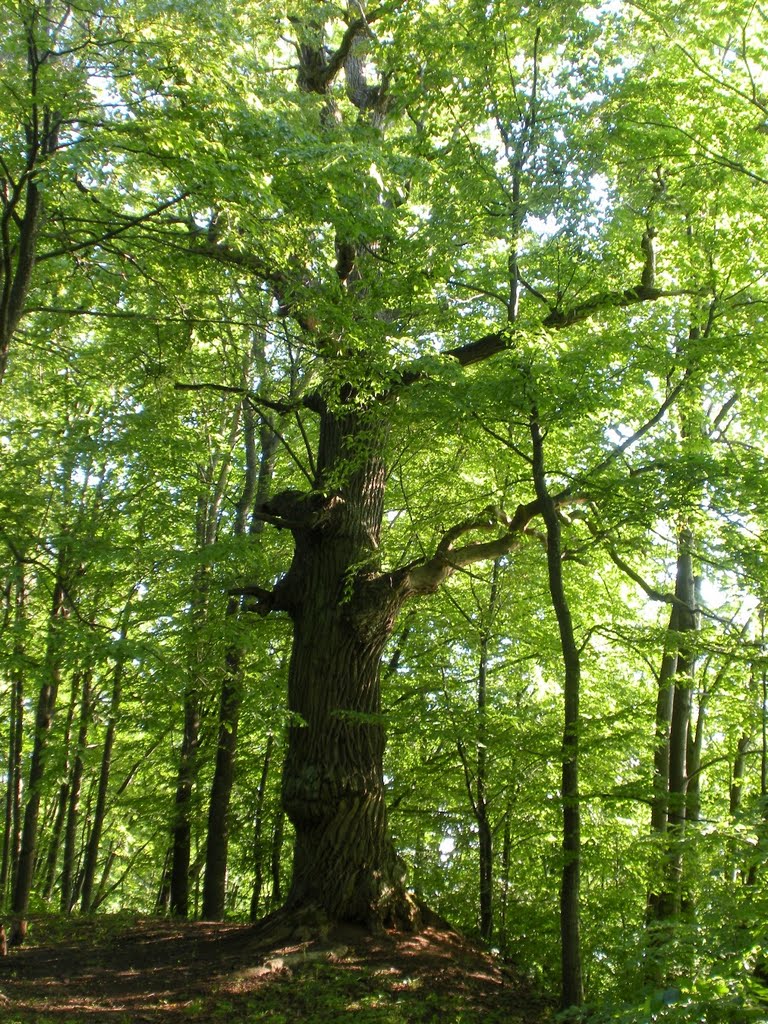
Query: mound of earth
point(102, 969)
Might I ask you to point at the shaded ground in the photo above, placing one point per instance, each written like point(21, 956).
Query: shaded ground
point(123, 971)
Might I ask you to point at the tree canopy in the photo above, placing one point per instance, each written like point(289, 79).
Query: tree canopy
point(392, 372)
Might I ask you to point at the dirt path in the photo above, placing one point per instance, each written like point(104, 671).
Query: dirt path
point(94, 971)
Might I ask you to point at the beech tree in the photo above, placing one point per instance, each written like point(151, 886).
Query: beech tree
point(358, 302)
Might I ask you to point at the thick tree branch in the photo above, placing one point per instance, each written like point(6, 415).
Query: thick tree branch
point(284, 285)
point(354, 29)
point(426, 575)
point(497, 341)
point(318, 71)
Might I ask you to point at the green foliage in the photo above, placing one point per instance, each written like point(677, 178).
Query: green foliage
point(195, 206)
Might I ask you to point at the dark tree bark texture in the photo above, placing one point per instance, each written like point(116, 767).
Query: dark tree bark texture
point(333, 790)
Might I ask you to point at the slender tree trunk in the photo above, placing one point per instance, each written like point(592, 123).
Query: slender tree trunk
point(481, 795)
point(12, 831)
point(182, 829)
point(186, 778)
point(762, 831)
point(664, 703)
point(678, 734)
point(481, 802)
point(506, 864)
point(258, 831)
point(14, 290)
point(572, 981)
point(98, 898)
point(73, 808)
point(100, 811)
point(255, 493)
point(163, 901)
point(693, 762)
point(276, 858)
point(212, 479)
point(743, 748)
point(19, 230)
point(669, 811)
point(46, 705)
point(217, 837)
point(57, 830)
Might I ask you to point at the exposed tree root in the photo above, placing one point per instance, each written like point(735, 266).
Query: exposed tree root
point(312, 924)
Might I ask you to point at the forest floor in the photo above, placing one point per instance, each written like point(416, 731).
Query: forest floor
point(119, 970)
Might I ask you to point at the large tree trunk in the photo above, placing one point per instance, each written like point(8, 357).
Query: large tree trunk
point(333, 792)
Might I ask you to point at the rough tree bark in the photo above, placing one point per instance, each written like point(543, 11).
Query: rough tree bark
point(343, 611)
point(333, 791)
